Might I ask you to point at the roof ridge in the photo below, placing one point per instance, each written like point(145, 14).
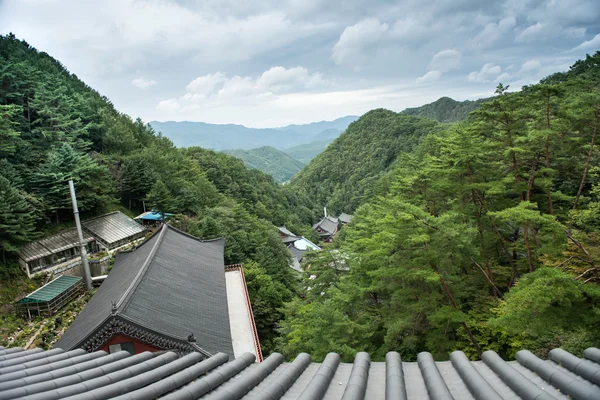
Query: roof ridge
point(136, 281)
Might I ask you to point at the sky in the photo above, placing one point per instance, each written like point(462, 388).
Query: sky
point(272, 63)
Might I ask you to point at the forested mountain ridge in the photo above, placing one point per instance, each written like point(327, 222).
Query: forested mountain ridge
point(231, 136)
point(486, 238)
point(446, 109)
point(344, 175)
point(53, 128)
point(281, 166)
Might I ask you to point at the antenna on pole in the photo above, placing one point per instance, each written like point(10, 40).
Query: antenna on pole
point(84, 260)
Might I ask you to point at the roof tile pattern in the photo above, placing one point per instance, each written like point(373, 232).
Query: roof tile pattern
point(56, 374)
point(172, 284)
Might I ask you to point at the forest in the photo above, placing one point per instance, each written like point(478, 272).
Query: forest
point(483, 235)
point(53, 128)
point(476, 233)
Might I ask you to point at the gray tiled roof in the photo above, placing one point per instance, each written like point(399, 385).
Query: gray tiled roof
point(327, 224)
point(52, 244)
point(345, 218)
point(113, 227)
point(173, 284)
point(56, 374)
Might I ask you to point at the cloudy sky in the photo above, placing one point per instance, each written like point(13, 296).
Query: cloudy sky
point(275, 62)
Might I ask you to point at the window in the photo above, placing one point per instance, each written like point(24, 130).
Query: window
point(127, 346)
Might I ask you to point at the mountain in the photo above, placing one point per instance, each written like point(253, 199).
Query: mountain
point(231, 136)
point(446, 109)
point(343, 176)
point(279, 165)
point(315, 128)
point(306, 152)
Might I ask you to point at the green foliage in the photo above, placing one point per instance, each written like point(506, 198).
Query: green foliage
point(269, 160)
point(481, 235)
point(446, 109)
point(159, 198)
point(344, 175)
point(17, 221)
point(548, 308)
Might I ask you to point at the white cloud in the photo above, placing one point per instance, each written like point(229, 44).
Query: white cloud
point(169, 106)
point(205, 85)
point(530, 66)
point(491, 33)
point(590, 44)
point(218, 88)
point(445, 60)
point(356, 39)
point(431, 76)
point(488, 73)
point(143, 83)
point(532, 32)
point(504, 77)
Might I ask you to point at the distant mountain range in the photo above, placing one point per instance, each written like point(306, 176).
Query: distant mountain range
point(283, 152)
point(281, 166)
point(230, 136)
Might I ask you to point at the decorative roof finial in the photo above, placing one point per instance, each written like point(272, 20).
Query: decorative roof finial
point(192, 338)
point(113, 308)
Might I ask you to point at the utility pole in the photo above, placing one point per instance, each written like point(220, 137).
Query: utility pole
point(84, 260)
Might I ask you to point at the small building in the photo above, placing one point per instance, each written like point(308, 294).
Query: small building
point(151, 218)
point(54, 253)
point(327, 227)
point(113, 230)
point(299, 248)
point(169, 293)
point(297, 245)
point(51, 297)
point(345, 218)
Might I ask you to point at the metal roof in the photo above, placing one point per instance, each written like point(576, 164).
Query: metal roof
point(113, 227)
point(173, 284)
point(52, 244)
point(152, 216)
point(56, 374)
point(51, 290)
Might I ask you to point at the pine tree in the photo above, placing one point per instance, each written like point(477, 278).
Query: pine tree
point(17, 223)
point(160, 198)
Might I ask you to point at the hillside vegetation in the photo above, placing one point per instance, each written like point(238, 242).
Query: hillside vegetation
point(53, 128)
point(344, 175)
point(486, 236)
point(446, 109)
point(279, 165)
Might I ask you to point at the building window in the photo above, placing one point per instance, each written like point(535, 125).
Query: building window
point(127, 346)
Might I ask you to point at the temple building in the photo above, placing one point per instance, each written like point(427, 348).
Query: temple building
point(169, 293)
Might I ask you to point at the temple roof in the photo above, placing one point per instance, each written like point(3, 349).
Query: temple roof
point(56, 374)
point(173, 284)
point(327, 224)
point(345, 218)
